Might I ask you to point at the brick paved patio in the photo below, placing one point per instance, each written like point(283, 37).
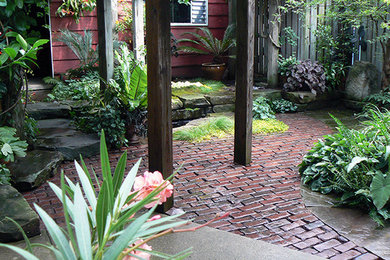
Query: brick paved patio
point(264, 198)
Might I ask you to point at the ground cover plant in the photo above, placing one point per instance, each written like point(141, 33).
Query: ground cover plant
point(221, 127)
point(263, 108)
point(354, 165)
point(196, 86)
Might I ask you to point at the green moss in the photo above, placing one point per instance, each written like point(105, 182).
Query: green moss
point(223, 126)
point(196, 86)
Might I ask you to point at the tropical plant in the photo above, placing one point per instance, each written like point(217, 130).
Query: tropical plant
point(81, 46)
point(208, 44)
point(262, 109)
point(354, 165)
point(381, 100)
point(75, 8)
point(306, 75)
point(130, 80)
point(104, 226)
point(10, 147)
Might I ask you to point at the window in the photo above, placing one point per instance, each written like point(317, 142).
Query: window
point(192, 14)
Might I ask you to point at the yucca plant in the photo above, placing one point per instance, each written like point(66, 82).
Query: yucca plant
point(81, 45)
point(208, 44)
point(109, 225)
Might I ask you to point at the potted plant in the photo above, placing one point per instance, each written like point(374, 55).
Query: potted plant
point(208, 44)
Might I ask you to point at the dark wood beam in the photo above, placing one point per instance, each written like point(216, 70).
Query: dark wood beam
point(244, 81)
point(106, 55)
point(158, 44)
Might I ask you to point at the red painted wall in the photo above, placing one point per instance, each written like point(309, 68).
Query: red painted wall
point(186, 65)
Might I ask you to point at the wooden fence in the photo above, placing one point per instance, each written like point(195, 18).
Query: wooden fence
point(305, 28)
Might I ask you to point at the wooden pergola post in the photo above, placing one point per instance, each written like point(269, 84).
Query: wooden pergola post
point(244, 81)
point(106, 55)
point(158, 56)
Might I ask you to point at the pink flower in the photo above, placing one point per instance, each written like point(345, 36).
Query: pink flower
point(140, 254)
point(149, 182)
point(155, 217)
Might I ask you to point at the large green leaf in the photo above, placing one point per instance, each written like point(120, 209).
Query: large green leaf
point(106, 170)
point(119, 173)
point(11, 52)
point(126, 237)
point(138, 83)
point(56, 234)
point(81, 225)
point(87, 186)
point(102, 211)
point(22, 42)
point(380, 190)
point(27, 255)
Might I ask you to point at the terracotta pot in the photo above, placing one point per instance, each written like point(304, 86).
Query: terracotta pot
point(131, 136)
point(213, 71)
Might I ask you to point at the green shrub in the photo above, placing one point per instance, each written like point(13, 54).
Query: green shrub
point(354, 165)
point(262, 109)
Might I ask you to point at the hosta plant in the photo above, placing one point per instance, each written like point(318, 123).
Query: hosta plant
point(262, 109)
point(110, 222)
point(354, 165)
point(10, 147)
point(306, 75)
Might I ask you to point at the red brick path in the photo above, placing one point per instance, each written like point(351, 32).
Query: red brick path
point(263, 198)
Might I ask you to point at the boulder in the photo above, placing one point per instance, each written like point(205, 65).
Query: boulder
point(14, 206)
point(176, 103)
point(33, 170)
point(363, 80)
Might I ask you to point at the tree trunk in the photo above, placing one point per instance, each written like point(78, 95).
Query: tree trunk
point(273, 44)
point(386, 65)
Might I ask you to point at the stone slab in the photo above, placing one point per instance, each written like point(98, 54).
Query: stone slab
point(210, 243)
point(14, 206)
point(48, 110)
point(194, 101)
point(267, 93)
point(354, 224)
point(221, 98)
point(39, 252)
point(55, 123)
point(224, 108)
point(33, 170)
point(186, 114)
point(176, 103)
point(71, 146)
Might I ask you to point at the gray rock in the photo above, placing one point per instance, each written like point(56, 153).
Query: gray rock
point(299, 97)
point(14, 206)
point(363, 80)
point(176, 103)
point(186, 114)
point(48, 110)
point(221, 98)
point(224, 108)
point(267, 93)
point(33, 170)
point(55, 123)
point(71, 146)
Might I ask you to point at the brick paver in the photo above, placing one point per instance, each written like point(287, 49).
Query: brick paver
point(263, 199)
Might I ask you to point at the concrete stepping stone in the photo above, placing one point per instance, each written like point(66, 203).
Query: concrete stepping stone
point(48, 110)
point(33, 170)
point(14, 206)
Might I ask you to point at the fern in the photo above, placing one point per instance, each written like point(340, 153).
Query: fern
point(81, 45)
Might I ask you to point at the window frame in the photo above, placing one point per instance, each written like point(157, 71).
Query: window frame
point(195, 24)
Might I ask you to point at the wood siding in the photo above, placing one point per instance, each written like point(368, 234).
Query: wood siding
point(183, 66)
